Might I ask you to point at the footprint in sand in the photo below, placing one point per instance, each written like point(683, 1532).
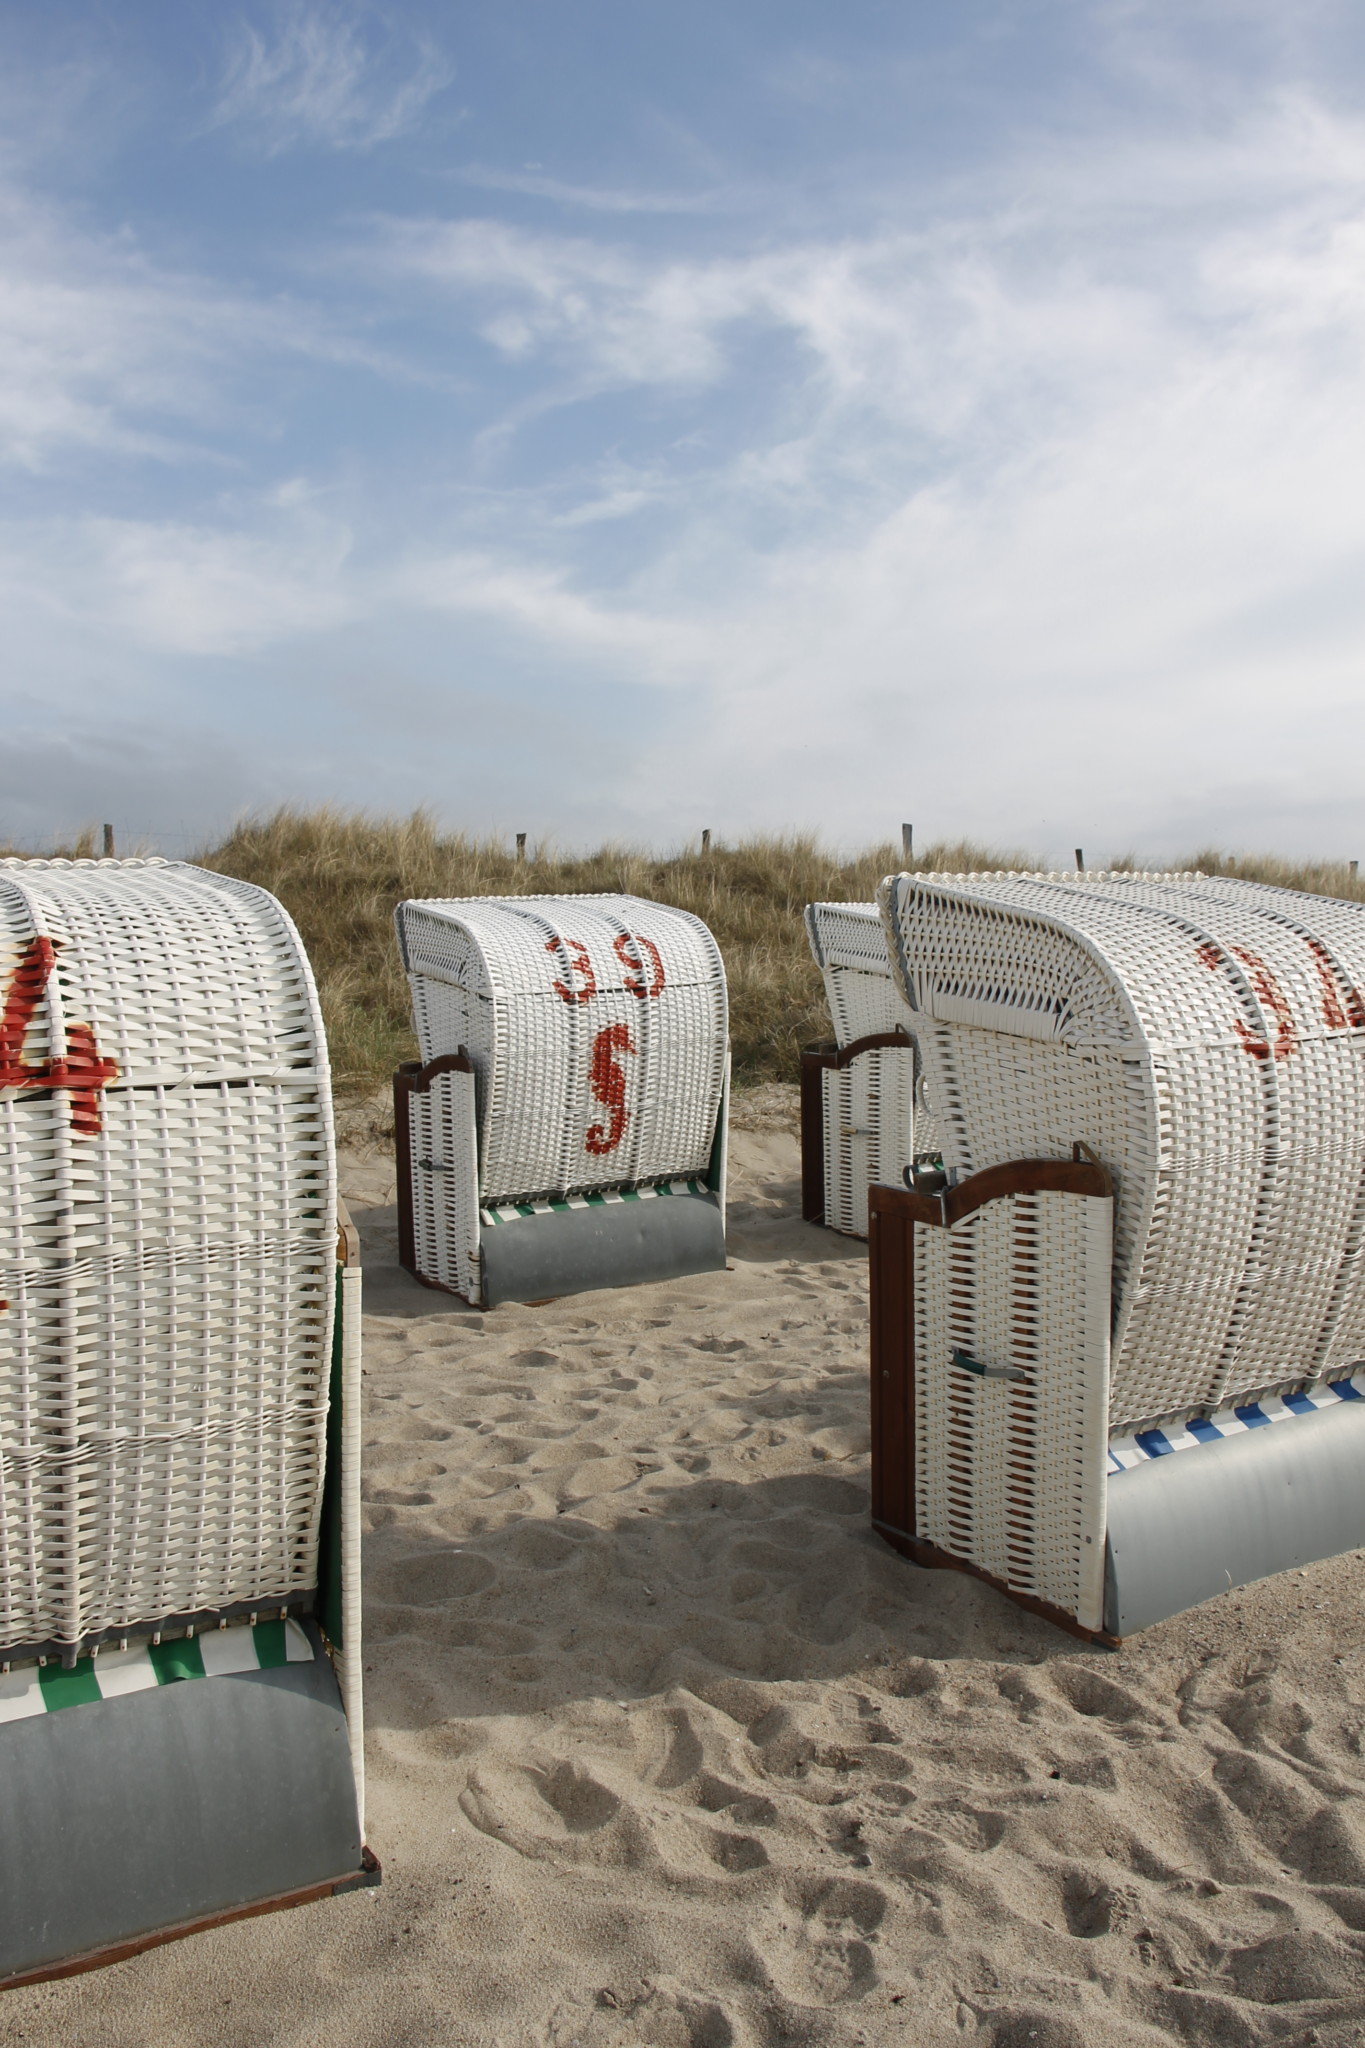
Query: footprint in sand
point(815, 1942)
point(437, 1575)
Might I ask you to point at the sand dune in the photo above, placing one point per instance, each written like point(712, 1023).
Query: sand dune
point(667, 1748)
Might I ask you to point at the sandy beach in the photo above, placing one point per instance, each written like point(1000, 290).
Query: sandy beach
point(666, 1747)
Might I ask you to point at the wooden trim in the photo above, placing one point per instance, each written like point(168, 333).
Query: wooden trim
point(993, 1184)
point(417, 1080)
point(402, 1145)
point(856, 1047)
point(891, 1298)
point(348, 1237)
point(931, 1558)
point(814, 1061)
point(414, 1079)
point(829, 1055)
point(368, 1874)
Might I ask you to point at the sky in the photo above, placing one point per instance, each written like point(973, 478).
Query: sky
point(609, 421)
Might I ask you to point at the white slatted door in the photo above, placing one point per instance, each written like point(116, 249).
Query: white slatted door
point(869, 1137)
point(445, 1183)
point(1010, 1470)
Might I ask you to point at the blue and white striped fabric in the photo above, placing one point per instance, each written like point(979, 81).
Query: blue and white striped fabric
point(1127, 1451)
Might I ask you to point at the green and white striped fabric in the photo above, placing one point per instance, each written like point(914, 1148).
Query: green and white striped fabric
point(509, 1212)
point(42, 1689)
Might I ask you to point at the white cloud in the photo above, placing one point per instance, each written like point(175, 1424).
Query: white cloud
point(97, 349)
point(1038, 515)
point(541, 602)
point(105, 350)
point(275, 572)
point(333, 76)
point(1055, 509)
point(532, 183)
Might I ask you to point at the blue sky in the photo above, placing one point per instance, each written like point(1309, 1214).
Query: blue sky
point(609, 420)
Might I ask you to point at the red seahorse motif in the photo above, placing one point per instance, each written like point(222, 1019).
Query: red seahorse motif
point(607, 1079)
point(634, 964)
point(82, 1073)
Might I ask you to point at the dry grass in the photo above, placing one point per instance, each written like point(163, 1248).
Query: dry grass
point(340, 876)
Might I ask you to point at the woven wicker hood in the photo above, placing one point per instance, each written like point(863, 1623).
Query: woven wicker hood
point(1206, 1039)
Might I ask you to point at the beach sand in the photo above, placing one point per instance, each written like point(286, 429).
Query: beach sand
point(666, 1747)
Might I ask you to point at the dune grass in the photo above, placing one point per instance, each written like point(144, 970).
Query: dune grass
point(340, 875)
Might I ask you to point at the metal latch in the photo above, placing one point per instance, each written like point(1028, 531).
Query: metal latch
point(988, 1372)
point(433, 1166)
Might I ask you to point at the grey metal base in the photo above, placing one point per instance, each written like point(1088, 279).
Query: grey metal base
point(1195, 1523)
point(129, 1816)
point(607, 1244)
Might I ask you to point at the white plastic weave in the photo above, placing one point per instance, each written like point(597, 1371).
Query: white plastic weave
point(873, 1124)
point(167, 1247)
point(1206, 1038)
point(869, 1131)
point(1010, 1473)
point(848, 944)
point(597, 1029)
point(445, 1183)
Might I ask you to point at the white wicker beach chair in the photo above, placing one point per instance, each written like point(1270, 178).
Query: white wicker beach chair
point(863, 1113)
point(179, 1331)
point(1150, 1093)
point(565, 1128)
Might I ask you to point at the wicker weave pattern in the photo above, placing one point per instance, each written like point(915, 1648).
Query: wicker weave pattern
point(1207, 1039)
point(1010, 1473)
point(445, 1184)
point(869, 1131)
point(597, 1028)
point(848, 944)
point(166, 1249)
point(876, 1115)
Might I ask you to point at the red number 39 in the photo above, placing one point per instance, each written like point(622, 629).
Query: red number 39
point(631, 949)
point(580, 965)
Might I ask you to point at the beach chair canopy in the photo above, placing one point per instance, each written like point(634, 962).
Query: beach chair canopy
point(167, 1251)
point(597, 1031)
point(1205, 1039)
point(173, 1365)
point(864, 1116)
point(848, 944)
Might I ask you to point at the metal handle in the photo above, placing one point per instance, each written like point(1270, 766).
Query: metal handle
point(988, 1372)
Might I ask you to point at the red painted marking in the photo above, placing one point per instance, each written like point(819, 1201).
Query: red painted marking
point(607, 1079)
point(634, 965)
point(82, 1073)
point(1271, 997)
point(579, 964)
point(1342, 1008)
point(26, 985)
